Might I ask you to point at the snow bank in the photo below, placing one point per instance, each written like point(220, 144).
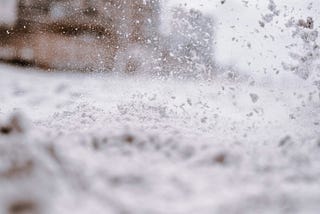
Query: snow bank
point(117, 145)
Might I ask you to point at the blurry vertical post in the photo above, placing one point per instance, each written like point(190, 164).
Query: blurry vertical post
point(8, 12)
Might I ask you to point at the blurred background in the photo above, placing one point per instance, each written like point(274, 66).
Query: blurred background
point(105, 35)
point(180, 38)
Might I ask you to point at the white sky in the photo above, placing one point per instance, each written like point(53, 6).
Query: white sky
point(238, 20)
point(7, 11)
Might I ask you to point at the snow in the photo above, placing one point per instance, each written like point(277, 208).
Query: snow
point(245, 141)
point(101, 143)
point(241, 22)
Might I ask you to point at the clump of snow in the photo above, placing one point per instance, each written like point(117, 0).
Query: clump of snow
point(267, 18)
point(254, 97)
point(14, 125)
point(306, 57)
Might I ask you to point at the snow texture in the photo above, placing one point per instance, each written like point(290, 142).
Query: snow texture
point(105, 144)
point(239, 142)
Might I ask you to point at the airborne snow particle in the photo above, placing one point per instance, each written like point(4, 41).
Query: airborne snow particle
point(254, 97)
point(189, 102)
point(261, 23)
point(309, 23)
point(220, 158)
point(15, 124)
point(285, 140)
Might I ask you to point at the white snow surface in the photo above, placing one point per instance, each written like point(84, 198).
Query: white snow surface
point(105, 144)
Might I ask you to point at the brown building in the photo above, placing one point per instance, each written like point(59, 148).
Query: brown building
point(108, 35)
point(78, 34)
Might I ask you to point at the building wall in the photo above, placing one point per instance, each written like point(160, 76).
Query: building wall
point(79, 34)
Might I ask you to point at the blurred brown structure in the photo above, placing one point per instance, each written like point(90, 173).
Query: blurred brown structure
point(108, 35)
point(78, 34)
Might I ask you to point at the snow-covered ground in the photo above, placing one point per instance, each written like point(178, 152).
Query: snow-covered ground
point(103, 144)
